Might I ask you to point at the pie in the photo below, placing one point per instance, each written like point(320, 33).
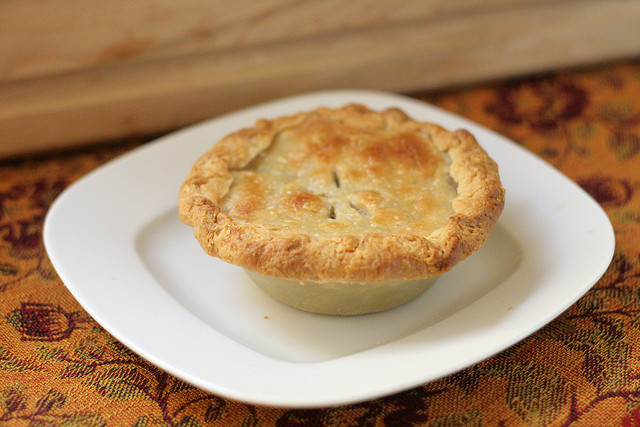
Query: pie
point(343, 210)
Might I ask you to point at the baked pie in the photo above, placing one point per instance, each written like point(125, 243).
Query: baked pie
point(346, 210)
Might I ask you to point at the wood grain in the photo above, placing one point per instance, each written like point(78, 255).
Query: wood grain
point(47, 36)
point(149, 67)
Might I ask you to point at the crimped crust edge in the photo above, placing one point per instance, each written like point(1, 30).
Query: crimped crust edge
point(366, 257)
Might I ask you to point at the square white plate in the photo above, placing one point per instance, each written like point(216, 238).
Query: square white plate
point(115, 239)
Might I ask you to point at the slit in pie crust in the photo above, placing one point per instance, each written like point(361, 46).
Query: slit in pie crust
point(346, 210)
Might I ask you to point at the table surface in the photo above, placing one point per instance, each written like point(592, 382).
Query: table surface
point(58, 366)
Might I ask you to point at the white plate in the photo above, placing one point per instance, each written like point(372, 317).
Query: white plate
point(115, 240)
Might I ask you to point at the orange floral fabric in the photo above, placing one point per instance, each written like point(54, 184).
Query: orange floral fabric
point(59, 367)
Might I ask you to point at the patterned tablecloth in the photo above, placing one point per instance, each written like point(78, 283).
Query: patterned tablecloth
point(59, 367)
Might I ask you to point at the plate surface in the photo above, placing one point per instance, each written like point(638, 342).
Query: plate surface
point(115, 239)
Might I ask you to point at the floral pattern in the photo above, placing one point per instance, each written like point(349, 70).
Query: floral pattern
point(58, 367)
point(44, 322)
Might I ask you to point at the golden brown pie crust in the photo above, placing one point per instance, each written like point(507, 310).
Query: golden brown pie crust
point(240, 216)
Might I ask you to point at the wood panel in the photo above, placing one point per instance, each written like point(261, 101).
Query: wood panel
point(52, 36)
point(178, 79)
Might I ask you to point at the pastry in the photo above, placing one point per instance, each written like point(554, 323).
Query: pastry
point(344, 210)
